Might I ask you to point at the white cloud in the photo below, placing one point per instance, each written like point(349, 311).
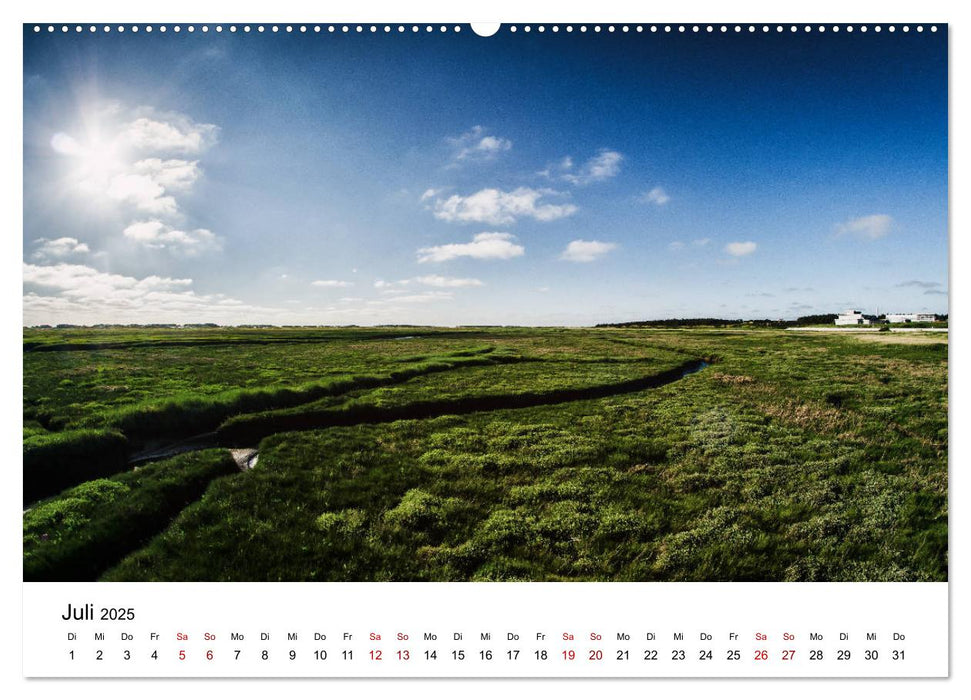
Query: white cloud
point(59, 248)
point(439, 281)
point(656, 196)
point(145, 231)
point(83, 282)
point(133, 162)
point(422, 298)
point(429, 193)
point(586, 251)
point(869, 227)
point(387, 288)
point(390, 288)
point(66, 293)
point(675, 245)
point(393, 297)
point(484, 246)
point(476, 145)
point(494, 206)
point(337, 284)
point(146, 184)
point(158, 235)
point(603, 166)
point(739, 249)
point(172, 174)
point(143, 192)
point(169, 133)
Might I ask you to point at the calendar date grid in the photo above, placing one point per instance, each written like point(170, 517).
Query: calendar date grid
point(562, 649)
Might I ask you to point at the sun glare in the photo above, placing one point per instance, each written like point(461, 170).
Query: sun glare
point(95, 161)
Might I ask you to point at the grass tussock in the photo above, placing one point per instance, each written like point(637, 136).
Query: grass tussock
point(733, 379)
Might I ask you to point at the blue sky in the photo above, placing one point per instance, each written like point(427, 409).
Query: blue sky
point(449, 179)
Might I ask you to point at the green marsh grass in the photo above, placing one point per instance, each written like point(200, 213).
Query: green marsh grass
point(77, 534)
point(795, 456)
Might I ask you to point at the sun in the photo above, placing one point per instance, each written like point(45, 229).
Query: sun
point(95, 160)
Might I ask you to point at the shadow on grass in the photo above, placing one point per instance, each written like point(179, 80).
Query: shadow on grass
point(80, 533)
point(54, 461)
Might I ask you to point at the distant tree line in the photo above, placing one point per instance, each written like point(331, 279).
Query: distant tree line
point(132, 325)
point(810, 320)
point(692, 322)
point(815, 319)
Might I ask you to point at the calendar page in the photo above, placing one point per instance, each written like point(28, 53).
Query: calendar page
point(518, 350)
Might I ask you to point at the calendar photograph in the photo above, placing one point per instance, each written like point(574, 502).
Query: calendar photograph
point(408, 303)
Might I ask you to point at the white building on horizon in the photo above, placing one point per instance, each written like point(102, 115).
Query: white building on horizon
point(851, 317)
point(910, 318)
